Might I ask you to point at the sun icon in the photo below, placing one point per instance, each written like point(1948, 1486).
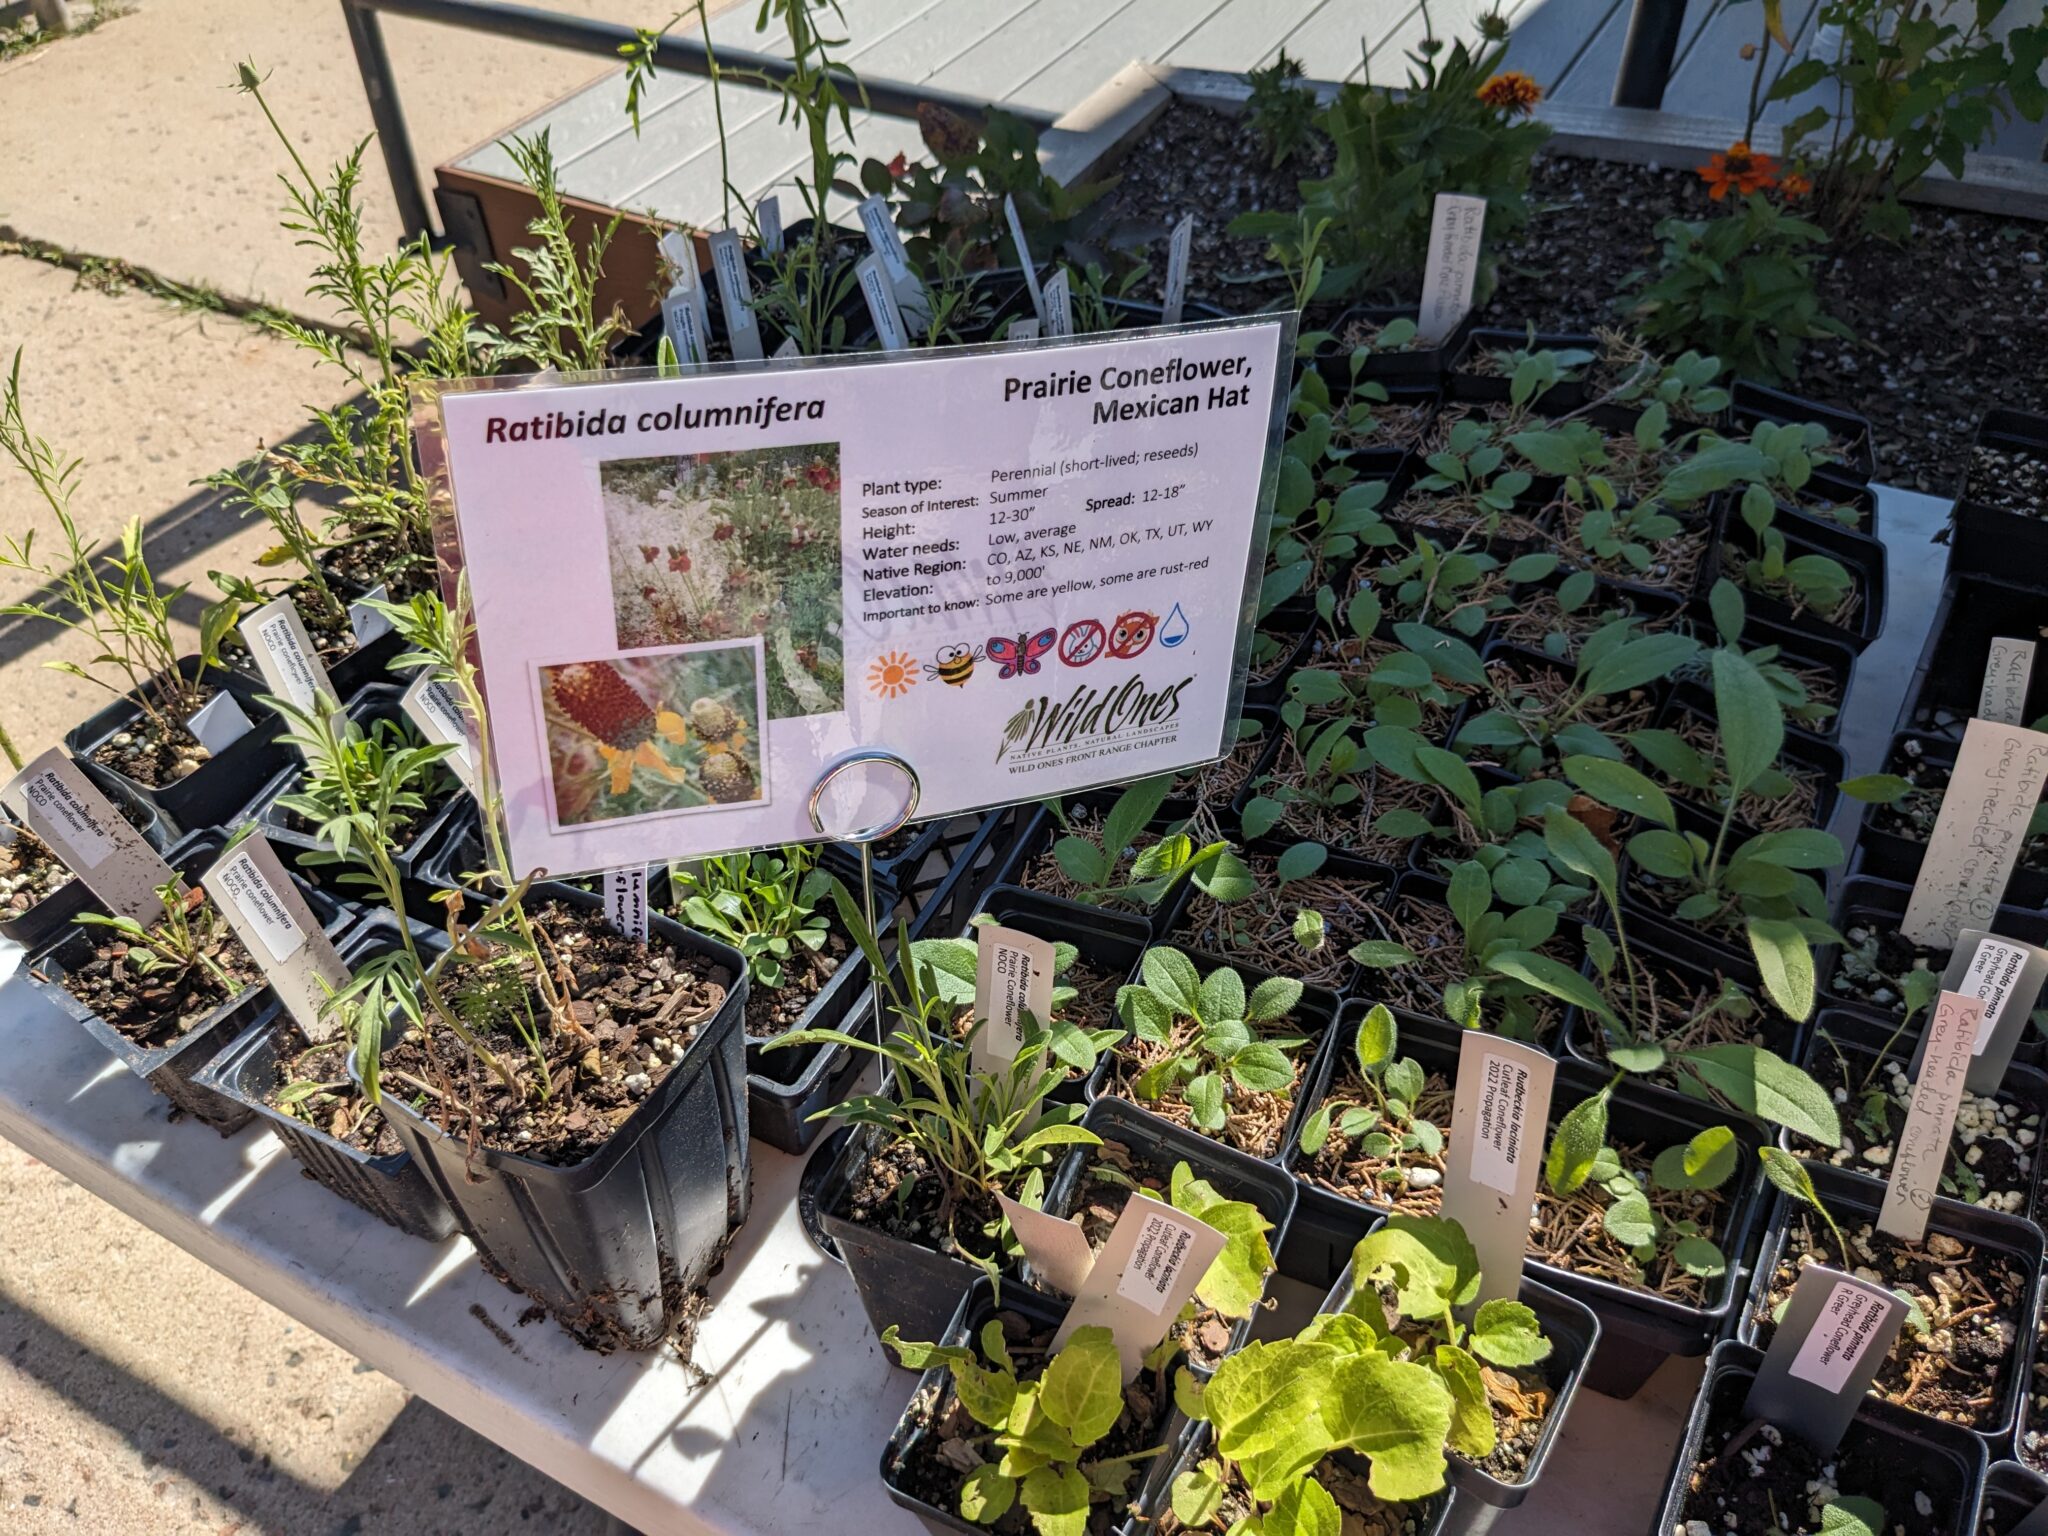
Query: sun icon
point(892, 674)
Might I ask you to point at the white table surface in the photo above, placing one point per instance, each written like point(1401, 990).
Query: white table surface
point(785, 1435)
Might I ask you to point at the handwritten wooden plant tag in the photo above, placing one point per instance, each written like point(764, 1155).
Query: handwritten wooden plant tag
point(285, 654)
point(56, 801)
point(768, 224)
point(1059, 305)
point(1012, 974)
point(2007, 673)
point(249, 885)
point(1154, 1259)
point(1922, 1146)
point(368, 625)
point(431, 705)
point(1024, 260)
point(1057, 1249)
point(2006, 976)
point(1498, 1118)
point(735, 295)
point(1979, 834)
point(1452, 266)
point(1835, 1333)
point(625, 901)
point(882, 305)
point(1180, 251)
point(220, 722)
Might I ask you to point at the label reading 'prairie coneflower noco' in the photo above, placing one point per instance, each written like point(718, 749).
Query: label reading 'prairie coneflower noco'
point(285, 655)
point(280, 931)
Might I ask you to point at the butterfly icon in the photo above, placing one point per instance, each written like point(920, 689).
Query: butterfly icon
point(1020, 655)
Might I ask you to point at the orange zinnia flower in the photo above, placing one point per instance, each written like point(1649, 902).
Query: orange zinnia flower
point(1511, 91)
point(1735, 169)
point(1795, 185)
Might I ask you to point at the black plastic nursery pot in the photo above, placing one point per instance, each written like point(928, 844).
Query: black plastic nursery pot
point(1863, 1043)
point(212, 794)
point(1861, 555)
point(174, 1070)
point(1988, 535)
point(1890, 854)
point(389, 1185)
point(2011, 1493)
point(1849, 434)
point(1267, 682)
point(962, 1329)
point(1312, 1018)
point(1039, 832)
point(1410, 365)
point(1568, 394)
point(1159, 1146)
point(1853, 1200)
point(1948, 682)
point(1449, 1513)
point(1574, 1334)
point(614, 1245)
point(1834, 499)
point(35, 926)
point(1803, 754)
point(1949, 1461)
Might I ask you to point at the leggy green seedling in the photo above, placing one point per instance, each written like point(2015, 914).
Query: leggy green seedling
point(1387, 1124)
point(189, 936)
point(1204, 1041)
point(766, 905)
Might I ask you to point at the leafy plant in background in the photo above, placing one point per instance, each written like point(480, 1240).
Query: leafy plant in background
point(764, 904)
point(261, 489)
point(954, 967)
point(1389, 1123)
point(1094, 865)
point(123, 614)
point(1460, 125)
point(1526, 727)
point(1096, 295)
point(557, 325)
point(189, 936)
point(1208, 1030)
point(1041, 1432)
point(1281, 108)
point(1579, 1159)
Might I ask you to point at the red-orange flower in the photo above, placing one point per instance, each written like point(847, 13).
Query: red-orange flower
point(1736, 169)
point(899, 167)
point(1511, 91)
point(1795, 185)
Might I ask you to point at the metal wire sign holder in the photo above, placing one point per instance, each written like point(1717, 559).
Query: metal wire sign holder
point(866, 837)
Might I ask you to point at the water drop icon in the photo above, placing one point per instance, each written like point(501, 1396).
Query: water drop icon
point(1175, 629)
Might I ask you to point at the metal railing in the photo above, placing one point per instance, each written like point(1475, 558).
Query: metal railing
point(525, 23)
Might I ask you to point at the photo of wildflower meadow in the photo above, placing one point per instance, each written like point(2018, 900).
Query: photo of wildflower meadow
point(716, 546)
point(646, 735)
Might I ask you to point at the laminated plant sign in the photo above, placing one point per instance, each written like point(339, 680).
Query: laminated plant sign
point(1146, 1271)
point(56, 801)
point(1499, 1113)
point(1835, 1333)
point(1024, 571)
point(2007, 673)
point(249, 885)
point(1979, 833)
point(1923, 1142)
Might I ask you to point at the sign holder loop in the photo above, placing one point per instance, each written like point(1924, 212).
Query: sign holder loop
point(866, 837)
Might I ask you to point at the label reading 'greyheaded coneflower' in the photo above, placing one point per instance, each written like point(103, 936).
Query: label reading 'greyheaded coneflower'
point(1824, 1355)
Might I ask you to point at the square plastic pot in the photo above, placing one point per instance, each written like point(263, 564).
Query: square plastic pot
point(1884, 1432)
point(1566, 395)
point(1750, 403)
point(1891, 855)
point(212, 794)
point(174, 1070)
point(613, 1245)
point(1862, 556)
point(38, 925)
point(1234, 1176)
point(1948, 681)
point(389, 1185)
point(1852, 1199)
point(1415, 365)
point(2011, 1493)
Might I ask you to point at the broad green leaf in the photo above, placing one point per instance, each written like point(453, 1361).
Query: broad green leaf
point(1630, 1221)
point(1262, 1067)
point(1398, 1416)
point(1709, 1159)
point(1639, 661)
point(1198, 1495)
point(1665, 854)
point(1171, 975)
point(1853, 1515)
point(1768, 1087)
point(1204, 1096)
point(1796, 848)
point(1575, 1145)
point(1082, 1389)
point(1263, 1400)
point(1750, 718)
point(1877, 788)
point(1222, 995)
point(1378, 1037)
point(1300, 861)
point(1638, 1056)
point(1556, 978)
point(1572, 844)
point(1470, 894)
point(1057, 1498)
point(1382, 954)
point(1236, 1280)
point(1303, 1509)
point(1450, 771)
point(1789, 1175)
point(1472, 1432)
point(1785, 962)
point(1507, 1333)
point(986, 1495)
point(1699, 1258)
point(1620, 786)
point(1273, 998)
point(1429, 1258)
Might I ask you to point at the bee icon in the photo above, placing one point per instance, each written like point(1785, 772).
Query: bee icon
point(954, 664)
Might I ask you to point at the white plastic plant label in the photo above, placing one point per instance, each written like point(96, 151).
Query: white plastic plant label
point(368, 625)
point(1824, 1355)
point(876, 288)
point(884, 239)
point(1180, 251)
point(1023, 330)
point(1922, 1146)
point(1154, 1259)
point(250, 886)
point(1013, 974)
point(2006, 975)
point(625, 901)
point(1057, 1249)
point(735, 295)
point(1452, 266)
point(682, 323)
point(768, 224)
point(285, 655)
point(1979, 833)
point(1024, 260)
point(1499, 1114)
point(54, 799)
point(432, 706)
point(1059, 305)
point(220, 722)
point(2007, 674)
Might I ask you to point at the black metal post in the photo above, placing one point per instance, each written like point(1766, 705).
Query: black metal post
point(366, 32)
point(1646, 55)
